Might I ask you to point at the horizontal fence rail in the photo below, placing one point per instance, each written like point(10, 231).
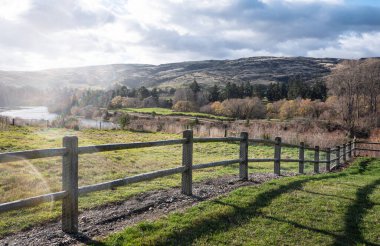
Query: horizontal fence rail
point(131, 180)
point(31, 154)
point(70, 152)
point(32, 201)
point(111, 147)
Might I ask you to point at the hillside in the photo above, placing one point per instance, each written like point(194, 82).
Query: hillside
point(253, 69)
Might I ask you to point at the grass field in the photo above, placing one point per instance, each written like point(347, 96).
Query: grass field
point(167, 111)
point(329, 209)
point(27, 178)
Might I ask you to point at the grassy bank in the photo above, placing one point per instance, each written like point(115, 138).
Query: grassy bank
point(329, 209)
point(167, 111)
point(27, 178)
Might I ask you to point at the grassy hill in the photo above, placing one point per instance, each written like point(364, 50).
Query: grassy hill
point(210, 72)
point(330, 209)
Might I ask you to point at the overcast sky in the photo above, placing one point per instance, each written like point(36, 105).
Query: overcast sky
point(39, 34)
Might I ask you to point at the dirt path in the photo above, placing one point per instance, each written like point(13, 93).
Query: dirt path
point(101, 221)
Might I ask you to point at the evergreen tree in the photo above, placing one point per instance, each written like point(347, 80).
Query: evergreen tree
point(284, 90)
point(297, 88)
point(247, 89)
point(318, 90)
point(259, 90)
point(274, 92)
point(195, 87)
point(143, 92)
point(132, 93)
point(154, 93)
point(214, 94)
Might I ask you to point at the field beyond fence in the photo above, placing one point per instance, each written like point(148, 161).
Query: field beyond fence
point(324, 160)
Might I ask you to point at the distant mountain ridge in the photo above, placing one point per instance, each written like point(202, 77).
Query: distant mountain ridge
point(208, 72)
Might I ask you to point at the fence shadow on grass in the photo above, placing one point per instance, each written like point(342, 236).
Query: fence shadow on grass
point(354, 216)
point(239, 215)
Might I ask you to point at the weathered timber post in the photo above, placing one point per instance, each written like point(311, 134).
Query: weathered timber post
point(316, 159)
point(354, 147)
point(277, 156)
point(70, 185)
point(337, 156)
point(243, 168)
point(301, 157)
point(344, 153)
point(187, 161)
point(328, 159)
point(350, 150)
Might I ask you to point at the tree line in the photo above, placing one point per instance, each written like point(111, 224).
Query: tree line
point(349, 96)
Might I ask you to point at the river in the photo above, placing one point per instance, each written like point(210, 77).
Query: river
point(42, 113)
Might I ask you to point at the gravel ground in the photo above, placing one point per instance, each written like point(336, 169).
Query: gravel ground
point(101, 221)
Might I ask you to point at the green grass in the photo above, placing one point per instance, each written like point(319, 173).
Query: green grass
point(327, 209)
point(167, 111)
point(27, 178)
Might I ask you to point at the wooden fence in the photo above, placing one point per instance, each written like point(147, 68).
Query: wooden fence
point(4, 122)
point(70, 152)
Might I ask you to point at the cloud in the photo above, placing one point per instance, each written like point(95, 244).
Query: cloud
point(351, 46)
point(42, 34)
point(12, 10)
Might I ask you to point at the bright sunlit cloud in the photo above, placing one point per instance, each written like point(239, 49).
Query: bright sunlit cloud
point(39, 34)
point(12, 10)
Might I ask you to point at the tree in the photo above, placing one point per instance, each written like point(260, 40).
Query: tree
point(318, 90)
point(370, 77)
point(154, 94)
point(344, 82)
point(297, 88)
point(143, 92)
point(214, 94)
point(195, 87)
point(247, 89)
point(259, 90)
point(274, 92)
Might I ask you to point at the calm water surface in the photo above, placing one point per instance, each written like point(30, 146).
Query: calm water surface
point(28, 113)
point(42, 113)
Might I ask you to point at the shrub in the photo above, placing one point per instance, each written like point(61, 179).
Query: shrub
point(184, 106)
point(116, 102)
point(288, 109)
point(217, 108)
point(248, 108)
point(124, 120)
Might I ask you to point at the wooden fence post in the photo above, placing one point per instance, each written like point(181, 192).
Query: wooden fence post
point(344, 153)
point(301, 157)
point(354, 147)
point(70, 184)
point(328, 159)
point(349, 150)
point(277, 156)
point(316, 159)
point(243, 168)
point(187, 161)
point(337, 156)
